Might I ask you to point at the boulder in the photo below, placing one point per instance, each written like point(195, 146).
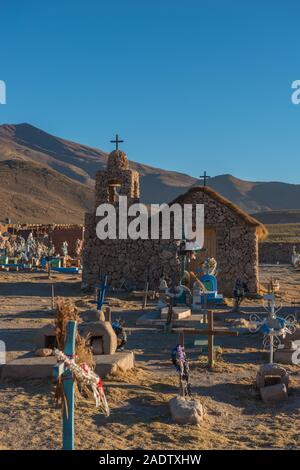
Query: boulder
point(186, 411)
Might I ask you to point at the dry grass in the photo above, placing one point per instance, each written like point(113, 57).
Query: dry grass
point(140, 418)
point(67, 311)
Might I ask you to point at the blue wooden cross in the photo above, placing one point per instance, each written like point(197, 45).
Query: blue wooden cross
point(68, 386)
point(101, 294)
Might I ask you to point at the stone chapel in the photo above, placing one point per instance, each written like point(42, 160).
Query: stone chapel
point(231, 237)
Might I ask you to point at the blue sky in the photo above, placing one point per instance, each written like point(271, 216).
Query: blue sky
point(190, 85)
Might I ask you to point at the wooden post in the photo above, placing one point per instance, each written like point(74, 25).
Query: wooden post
point(146, 295)
point(205, 317)
point(181, 338)
point(210, 340)
point(107, 314)
point(68, 386)
point(52, 297)
point(170, 315)
point(49, 267)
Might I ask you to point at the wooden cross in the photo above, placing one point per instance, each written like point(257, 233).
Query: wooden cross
point(146, 294)
point(146, 289)
point(210, 332)
point(117, 141)
point(204, 177)
point(59, 370)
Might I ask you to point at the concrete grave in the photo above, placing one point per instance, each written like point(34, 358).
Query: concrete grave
point(33, 367)
point(179, 313)
point(272, 382)
point(288, 351)
point(101, 335)
point(46, 338)
point(289, 355)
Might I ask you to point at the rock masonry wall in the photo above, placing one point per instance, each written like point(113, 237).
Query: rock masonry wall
point(236, 241)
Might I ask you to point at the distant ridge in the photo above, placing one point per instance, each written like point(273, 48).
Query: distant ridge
point(279, 217)
point(65, 172)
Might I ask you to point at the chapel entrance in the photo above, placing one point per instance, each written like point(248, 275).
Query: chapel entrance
point(210, 249)
point(113, 188)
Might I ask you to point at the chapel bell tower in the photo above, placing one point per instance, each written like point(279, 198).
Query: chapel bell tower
point(117, 180)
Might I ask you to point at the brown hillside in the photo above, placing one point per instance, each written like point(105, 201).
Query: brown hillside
point(32, 193)
point(77, 165)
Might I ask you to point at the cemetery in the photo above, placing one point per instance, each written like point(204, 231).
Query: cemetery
point(154, 343)
point(37, 247)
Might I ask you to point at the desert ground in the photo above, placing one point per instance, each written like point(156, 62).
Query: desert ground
point(235, 418)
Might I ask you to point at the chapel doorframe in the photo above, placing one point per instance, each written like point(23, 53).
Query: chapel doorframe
point(210, 243)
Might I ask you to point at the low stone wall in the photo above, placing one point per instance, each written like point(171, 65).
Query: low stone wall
point(275, 252)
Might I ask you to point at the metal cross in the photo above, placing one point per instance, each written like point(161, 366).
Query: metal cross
point(117, 141)
point(204, 177)
point(273, 327)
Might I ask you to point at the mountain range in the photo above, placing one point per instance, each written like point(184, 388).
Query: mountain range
point(45, 179)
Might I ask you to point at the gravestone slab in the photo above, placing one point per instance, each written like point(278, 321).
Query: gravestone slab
point(34, 367)
point(179, 313)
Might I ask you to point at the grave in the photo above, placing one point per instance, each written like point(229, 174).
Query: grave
point(101, 336)
point(171, 307)
point(288, 355)
point(180, 295)
point(210, 332)
point(102, 339)
point(272, 382)
point(34, 367)
point(288, 352)
point(272, 379)
point(197, 304)
point(179, 313)
point(210, 296)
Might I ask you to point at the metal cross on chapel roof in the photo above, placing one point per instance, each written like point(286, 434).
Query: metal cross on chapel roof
point(204, 177)
point(117, 141)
